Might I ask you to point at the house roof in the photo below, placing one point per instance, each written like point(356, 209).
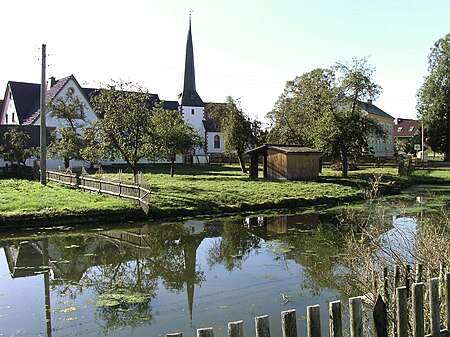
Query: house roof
point(284, 148)
point(49, 95)
point(26, 98)
point(406, 128)
point(372, 109)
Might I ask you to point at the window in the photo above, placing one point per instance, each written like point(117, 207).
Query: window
point(217, 142)
point(411, 128)
point(6, 119)
point(12, 118)
point(400, 128)
point(192, 111)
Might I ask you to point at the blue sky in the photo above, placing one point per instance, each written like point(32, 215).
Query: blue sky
point(246, 48)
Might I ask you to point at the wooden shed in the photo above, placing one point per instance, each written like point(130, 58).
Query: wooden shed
point(285, 162)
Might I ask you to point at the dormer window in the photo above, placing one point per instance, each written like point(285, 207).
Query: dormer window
point(192, 111)
point(411, 128)
point(400, 128)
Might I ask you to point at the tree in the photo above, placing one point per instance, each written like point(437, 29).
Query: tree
point(321, 109)
point(172, 135)
point(302, 104)
point(433, 98)
point(236, 127)
point(68, 141)
point(14, 146)
point(343, 132)
point(124, 124)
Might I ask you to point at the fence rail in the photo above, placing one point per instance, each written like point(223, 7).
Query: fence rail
point(409, 319)
point(133, 193)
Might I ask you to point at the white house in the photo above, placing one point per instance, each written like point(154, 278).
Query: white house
point(381, 147)
point(21, 106)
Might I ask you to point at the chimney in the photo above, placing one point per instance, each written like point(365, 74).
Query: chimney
point(53, 81)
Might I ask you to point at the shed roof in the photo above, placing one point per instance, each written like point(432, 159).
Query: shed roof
point(284, 148)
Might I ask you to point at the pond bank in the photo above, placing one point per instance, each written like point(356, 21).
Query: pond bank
point(201, 191)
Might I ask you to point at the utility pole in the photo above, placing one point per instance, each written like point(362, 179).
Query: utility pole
point(43, 147)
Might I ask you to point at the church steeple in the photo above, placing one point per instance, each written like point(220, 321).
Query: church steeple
point(190, 97)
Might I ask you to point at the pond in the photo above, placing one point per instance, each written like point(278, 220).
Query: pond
point(151, 279)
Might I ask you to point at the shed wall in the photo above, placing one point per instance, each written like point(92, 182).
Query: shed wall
point(276, 165)
point(302, 165)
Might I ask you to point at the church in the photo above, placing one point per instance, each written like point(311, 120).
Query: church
point(21, 106)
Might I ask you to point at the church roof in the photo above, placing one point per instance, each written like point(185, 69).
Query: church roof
point(189, 96)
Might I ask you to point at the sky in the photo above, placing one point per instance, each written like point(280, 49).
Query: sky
point(246, 49)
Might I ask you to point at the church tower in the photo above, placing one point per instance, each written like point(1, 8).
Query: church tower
point(191, 105)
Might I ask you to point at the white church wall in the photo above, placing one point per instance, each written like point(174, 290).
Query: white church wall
point(210, 142)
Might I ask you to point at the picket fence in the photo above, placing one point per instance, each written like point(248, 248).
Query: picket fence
point(134, 193)
point(409, 318)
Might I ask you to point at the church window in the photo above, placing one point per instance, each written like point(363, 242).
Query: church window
point(217, 142)
point(12, 118)
point(192, 111)
point(6, 119)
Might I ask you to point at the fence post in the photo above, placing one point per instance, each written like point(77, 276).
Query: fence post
point(417, 310)
point(434, 308)
point(288, 323)
point(205, 332)
point(313, 321)
point(385, 286)
point(402, 312)
point(236, 329)
point(262, 326)
point(335, 319)
point(380, 318)
point(407, 280)
point(419, 272)
point(356, 328)
point(447, 299)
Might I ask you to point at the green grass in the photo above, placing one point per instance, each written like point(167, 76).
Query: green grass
point(431, 176)
point(19, 198)
point(205, 189)
point(198, 190)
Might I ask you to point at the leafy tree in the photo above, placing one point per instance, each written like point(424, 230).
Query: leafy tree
point(302, 104)
point(343, 132)
point(321, 109)
point(68, 140)
point(433, 98)
point(14, 146)
point(236, 126)
point(124, 125)
point(172, 135)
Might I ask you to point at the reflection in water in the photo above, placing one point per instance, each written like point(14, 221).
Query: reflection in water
point(156, 279)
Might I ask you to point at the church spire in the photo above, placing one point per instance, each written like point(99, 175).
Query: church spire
point(190, 97)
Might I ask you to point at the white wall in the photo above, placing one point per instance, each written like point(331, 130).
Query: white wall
point(10, 109)
point(58, 123)
point(210, 142)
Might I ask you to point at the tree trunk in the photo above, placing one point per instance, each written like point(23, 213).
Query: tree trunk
point(172, 160)
point(344, 164)
point(241, 162)
point(135, 173)
point(66, 162)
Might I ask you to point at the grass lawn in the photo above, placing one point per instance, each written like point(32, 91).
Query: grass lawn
point(20, 198)
point(204, 189)
point(197, 190)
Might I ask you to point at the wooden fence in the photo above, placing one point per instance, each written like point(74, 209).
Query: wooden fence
point(134, 193)
point(409, 319)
